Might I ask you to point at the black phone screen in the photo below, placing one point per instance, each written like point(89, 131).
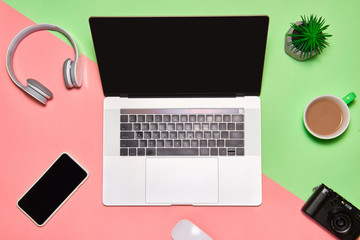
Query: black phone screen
point(53, 188)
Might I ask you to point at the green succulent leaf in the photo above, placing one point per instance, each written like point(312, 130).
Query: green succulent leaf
point(309, 37)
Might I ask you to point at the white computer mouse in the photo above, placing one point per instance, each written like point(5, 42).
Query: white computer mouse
point(186, 230)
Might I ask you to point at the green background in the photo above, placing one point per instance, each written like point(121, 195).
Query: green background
point(291, 156)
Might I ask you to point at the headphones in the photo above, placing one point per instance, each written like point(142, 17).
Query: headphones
point(71, 69)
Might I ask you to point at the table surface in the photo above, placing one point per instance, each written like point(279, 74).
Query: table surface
point(293, 162)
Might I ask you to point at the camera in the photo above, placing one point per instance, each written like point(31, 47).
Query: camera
point(334, 213)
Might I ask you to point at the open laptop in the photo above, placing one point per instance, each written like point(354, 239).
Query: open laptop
point(182, 121)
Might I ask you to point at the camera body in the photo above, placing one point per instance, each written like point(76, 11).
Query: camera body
point(334, 213)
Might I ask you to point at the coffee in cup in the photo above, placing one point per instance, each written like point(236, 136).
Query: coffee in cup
point(328, 116)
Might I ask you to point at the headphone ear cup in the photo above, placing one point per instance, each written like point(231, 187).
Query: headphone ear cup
point(72, 74)
point(67, 73)
point(38, 87)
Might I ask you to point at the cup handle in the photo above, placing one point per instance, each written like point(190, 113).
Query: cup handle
point(349, 98)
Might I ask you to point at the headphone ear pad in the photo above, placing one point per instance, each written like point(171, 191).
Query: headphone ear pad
point(73, 74)
point(67, 73)
point(38, 87)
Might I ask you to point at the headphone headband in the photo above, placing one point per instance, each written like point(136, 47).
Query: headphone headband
point(23, 34)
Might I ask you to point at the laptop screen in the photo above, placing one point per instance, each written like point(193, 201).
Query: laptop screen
point(180, 56)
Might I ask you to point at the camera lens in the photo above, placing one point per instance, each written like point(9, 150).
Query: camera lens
point(341, 223)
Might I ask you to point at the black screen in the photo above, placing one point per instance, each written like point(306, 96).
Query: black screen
point(175, 56)
point(50, 191)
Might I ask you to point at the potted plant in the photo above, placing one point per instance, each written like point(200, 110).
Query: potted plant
point(306, 38)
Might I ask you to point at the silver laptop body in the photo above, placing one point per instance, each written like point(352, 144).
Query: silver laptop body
point(182, 116)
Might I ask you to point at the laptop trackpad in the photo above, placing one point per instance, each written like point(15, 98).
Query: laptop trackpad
point(177, 180)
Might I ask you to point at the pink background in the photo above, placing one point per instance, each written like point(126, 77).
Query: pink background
point(33, 136)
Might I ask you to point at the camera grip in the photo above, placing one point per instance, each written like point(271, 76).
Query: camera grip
point(315, 201)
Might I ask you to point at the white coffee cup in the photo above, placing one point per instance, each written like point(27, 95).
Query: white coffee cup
point(326, 121)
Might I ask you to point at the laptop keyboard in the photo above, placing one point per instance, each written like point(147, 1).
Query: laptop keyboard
point(182, 132)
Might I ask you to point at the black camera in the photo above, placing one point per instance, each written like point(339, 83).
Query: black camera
point(334, 213)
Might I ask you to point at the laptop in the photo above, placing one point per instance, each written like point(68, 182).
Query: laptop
point(182, 122)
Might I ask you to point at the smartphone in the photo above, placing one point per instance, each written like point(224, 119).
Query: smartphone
point(52, 189)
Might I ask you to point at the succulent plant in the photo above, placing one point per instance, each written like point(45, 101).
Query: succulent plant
point(309, 36)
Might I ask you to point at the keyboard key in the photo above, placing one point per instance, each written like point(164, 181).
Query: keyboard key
point(222, 126)
point(218, 118)
point(194, 143)
point(151, 143)
point(207, 134)
point(192, 118)
point(216, 134)
point(123, 151)
point(226, 118)
point(124, 118)
point(234, 143)
point(238, 118)
point(201, 118)
point(169, 143)
point(239, 151)
point(224, 134)
point(143, 143)
point(203, 143)
point(156, 135)
point(160, 143)
point(153, 127)
point(141, 151)
point(173, 135)
point(145, 126)
point(209, 118)
point(220, 143)
point(181, 135)
point(239, 126)
point(231, 126)
point(170, 126)
point(199, 135)
point(188, 126)
point(237, 134)
point(185, 143)
point(190, 135)
point(214, 126)
point(205, 127)
point(175, 118)
point(132, 118)
point(164, 135)
point(231, 151)
point(141, 118)
point(127, 135)
point(179, 126)
point(162, 126)
point(150, 151)
point(139, 135)
point(197, 127)
point(183, 118)
point(149, 118)
point(126, 126)
point(211, 143)
point(166, 118)
point(204, 152)
point(158, 118)
point(222, 151)
point(129, 143)
point(147, 135)
point(136, 126)
point(177, 152)
point(132, 151)
point(177, 143)
point(214, 152)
